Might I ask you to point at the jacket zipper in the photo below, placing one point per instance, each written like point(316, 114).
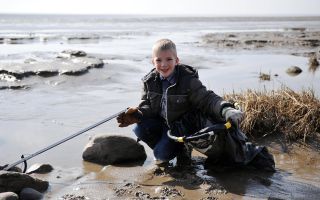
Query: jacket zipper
point(167, 104)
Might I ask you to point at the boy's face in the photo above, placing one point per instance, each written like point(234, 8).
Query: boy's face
point(165, 62)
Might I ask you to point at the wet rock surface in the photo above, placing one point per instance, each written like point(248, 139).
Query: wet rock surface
point(71, 53)
point(115, 149)
point(30, 194)
point(289, 38)
point(68, 62)
point(294, 70)
point(8, 196)
point(13, 169)
point(15, 182)
point(39, 169)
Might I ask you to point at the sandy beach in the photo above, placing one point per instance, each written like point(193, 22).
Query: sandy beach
point(41, 105)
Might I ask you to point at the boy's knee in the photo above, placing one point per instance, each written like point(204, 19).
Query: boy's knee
point(138, 130)
point(163, 153)
point(166, 150)
point(149, 131)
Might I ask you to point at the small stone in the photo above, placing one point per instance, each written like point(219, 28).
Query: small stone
point(13, 169)
point(8, 196)
point(8, 77)
point(39, 169)
point(71, 53)
point(294, 70)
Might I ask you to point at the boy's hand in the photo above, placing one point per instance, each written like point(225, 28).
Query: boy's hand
point(131, 116)
point(233, 115)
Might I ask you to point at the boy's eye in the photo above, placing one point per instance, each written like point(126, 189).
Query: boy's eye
point(158, 60)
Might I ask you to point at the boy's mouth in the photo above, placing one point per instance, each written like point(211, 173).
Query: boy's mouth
point(164, 70)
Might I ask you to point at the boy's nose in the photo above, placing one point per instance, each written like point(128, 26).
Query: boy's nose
point(163, 64)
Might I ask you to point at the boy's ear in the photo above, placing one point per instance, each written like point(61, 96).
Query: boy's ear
point(177, 60)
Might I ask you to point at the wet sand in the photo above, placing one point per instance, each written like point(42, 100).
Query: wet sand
point(297, 177)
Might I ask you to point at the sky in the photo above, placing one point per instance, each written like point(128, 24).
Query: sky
point(166, 7)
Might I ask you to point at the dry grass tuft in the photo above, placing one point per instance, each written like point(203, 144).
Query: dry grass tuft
point(297, 115)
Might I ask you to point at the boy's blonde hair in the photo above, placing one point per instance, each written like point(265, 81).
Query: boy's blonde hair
point(162, 45)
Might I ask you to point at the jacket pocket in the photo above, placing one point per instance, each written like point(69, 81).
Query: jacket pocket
point(154, 99)
point(178, 102)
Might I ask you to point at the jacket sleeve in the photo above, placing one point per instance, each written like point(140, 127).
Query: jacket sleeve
point(206, 100)
point(145, 105)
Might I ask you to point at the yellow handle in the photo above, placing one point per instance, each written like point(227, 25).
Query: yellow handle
point(227, 125)
point(180, 139)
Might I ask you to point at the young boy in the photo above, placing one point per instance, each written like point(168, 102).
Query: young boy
point(174, 99)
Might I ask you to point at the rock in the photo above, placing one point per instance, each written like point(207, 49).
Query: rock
point(13, 169)
point(15, 182)
point(72, 53)
point(8, 196)
point(39, 169)
point(298, 29)
point(81, 37)
point(291, 39)
point(107, 150)
point(59, 66)
point(13, 87)
point(30, 194)
point(19, 40)
point(294, 70)
point(7, 77)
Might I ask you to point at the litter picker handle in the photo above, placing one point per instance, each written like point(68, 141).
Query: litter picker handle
point(24, 159)
point(200, 134)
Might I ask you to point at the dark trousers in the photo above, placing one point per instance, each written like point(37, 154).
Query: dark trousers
point(153, 132)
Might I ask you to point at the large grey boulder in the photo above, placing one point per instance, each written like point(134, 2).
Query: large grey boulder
point(107, 150)
point(15, 182)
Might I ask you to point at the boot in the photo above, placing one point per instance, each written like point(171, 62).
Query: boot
point(184, 156)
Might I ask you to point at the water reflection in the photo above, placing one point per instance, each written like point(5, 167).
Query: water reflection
point(257, 184)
